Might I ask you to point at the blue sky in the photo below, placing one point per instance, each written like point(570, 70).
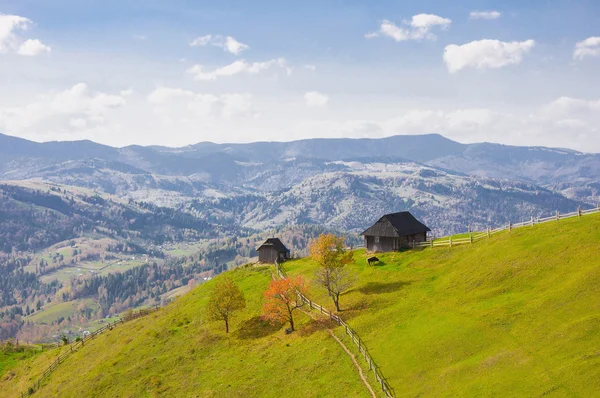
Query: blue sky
point(179, 72)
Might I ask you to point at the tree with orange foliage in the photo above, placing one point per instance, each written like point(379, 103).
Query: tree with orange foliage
point(281, 300)
point(328, 251)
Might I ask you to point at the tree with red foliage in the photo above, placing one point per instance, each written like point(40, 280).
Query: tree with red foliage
point(281, 300)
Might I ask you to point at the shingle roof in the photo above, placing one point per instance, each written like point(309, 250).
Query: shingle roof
point(396, 224)
point(276, 243)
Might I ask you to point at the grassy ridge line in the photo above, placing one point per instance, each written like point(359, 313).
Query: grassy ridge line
point(178, 352)
point(517, 312)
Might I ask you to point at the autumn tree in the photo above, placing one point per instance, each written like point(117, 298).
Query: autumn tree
point(329, 252)
point(281, 300)
point(225, 299)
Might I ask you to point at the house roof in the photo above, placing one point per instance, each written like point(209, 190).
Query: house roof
point(396, 224)
point(275, 243)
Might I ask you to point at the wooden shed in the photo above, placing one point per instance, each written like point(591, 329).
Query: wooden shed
point(395, 231)
point(272, 250)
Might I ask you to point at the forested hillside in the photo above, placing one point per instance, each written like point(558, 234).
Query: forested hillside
point(71, 256)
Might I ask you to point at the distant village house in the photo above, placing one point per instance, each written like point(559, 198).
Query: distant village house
point(272, 250)
point(395, 231)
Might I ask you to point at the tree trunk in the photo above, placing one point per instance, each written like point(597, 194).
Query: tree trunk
point(336, 301)
point(226, 325)
point(291, 318)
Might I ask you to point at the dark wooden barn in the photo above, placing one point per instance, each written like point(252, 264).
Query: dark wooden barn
point(272, 250)
point(395, 231)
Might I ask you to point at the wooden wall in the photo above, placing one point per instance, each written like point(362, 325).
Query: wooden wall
point(384, 244)
point(269, 255)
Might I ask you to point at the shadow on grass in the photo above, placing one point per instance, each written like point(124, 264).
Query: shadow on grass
point(377, 264)
point(315, 325)
point(255, 328)
point(379, 287)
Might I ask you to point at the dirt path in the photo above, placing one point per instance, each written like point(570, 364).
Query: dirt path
point(350, 354)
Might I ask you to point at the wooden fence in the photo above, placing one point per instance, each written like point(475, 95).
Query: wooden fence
point(74, 347)
point(475, 236)
point(362, 348)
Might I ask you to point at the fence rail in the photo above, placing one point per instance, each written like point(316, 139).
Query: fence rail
point(74, 347)
point(362, 348)
point(475, 236)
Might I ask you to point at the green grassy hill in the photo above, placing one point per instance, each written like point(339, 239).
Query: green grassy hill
point(514, 315)
point(177, 352)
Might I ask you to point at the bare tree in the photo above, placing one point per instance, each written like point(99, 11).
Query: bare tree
point(328, 251)
point(336, 280)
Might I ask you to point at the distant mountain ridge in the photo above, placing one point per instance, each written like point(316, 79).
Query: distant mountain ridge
point(218, 177)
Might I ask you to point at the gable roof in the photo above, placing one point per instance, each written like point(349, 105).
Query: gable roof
point(396, 224)
point(275, 243)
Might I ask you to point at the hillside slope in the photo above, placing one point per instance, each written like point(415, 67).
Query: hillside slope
point(177, 352)
point(515, 315)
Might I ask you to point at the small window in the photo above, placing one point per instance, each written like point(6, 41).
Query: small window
point(377, 239)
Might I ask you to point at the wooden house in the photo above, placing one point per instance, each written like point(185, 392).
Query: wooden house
point(272, 250)
point(395, 231)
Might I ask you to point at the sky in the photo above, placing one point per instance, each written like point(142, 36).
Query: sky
point(179, 72)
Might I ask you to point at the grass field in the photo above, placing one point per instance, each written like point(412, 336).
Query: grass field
point(178, 352)
point(53, 311)
point(10, 357)
point(517, 315)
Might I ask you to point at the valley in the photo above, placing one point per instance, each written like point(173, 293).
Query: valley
point(78, 217)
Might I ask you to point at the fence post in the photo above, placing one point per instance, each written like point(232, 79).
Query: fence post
point(579, 211)
point(488, 231)
point(532, 221)
point(509, 226)
point(431, 241)
point(471, 237)
point(557, 215)
point(450, 240)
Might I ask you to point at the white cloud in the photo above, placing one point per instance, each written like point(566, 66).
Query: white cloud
point(228, 43)
point(8, 25)
point(419, 27)
point(33, 47)
point(78, 123)
point(173, 103)
point(310, 67)
point(314, 98)
point(588, 47)
point(234, 46)
point(201, 41)
point(570, 108)
point(9, 41)
point(236, 67)
point(485, 54)
point(76, 107)
point(459, 121)
point(126, 93)
point(426, 21)
point(485, 14)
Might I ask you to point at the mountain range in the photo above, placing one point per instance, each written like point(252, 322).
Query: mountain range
point(340, 183)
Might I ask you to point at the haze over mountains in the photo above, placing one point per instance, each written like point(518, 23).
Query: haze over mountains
point(339, 183)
